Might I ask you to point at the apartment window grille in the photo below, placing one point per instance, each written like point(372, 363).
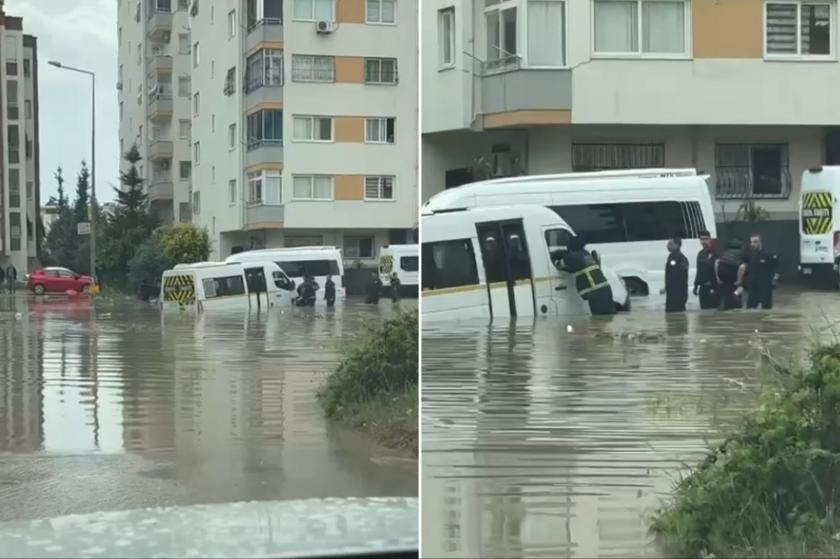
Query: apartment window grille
point(379, 188)
point(358, 247)
point(752, 171)
point(264, 68)
point(308, 68)
point(798, 28)
point(604, 157)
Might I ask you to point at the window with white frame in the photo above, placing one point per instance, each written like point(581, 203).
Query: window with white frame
point(312, 187)
point(381, 11)
point(314, 10)
point(185, 170)
point(231, 24)
point(380, 130)
point(184, 86)
point(264, 68)
point(381, 70)
point(197, 153)
point(546, 34)
point(798, 28)
point(232, 136)
point(184, 43)
point(265, 187)
point(500, 18)
point(195, 54)
point(308, 68)
point(446, 37)
point(196, 103)
point(379, 188)
point(196, 203)
point(358, 246)
point(265, 127)
point(184, 128)
point(232, 191)
point(313, 128)
point(641, 27)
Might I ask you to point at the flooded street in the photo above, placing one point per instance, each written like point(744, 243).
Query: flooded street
point(541, 441)
point(117, 408)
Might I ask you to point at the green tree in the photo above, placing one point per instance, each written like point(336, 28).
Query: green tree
point(149, 262)
point(62, 242)
point(81, 205)
point(186, 243)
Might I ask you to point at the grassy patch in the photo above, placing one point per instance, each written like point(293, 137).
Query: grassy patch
point(772, 487)
point(375, 386)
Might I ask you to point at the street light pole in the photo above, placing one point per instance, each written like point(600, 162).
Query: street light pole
point(92, 162)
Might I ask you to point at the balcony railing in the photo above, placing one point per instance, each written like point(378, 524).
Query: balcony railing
point(742, 182)
point(254, 143)
point(254, 24)
point(507, 63)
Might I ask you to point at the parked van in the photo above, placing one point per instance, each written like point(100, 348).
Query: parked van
point(405, 261)
point(496, 263)
point(220, 285)
point(626, 216)
point(317, 261)
point(819, 229)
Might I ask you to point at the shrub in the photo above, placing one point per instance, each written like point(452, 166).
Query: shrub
point(149, 262)
point(186, 243)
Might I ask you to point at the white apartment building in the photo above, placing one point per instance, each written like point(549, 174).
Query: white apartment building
point(154, 99)
point(304, 123)
point(19, 156)
point(740, 89)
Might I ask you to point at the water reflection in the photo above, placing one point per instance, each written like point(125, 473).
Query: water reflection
point(176, 409)
point(541, 441)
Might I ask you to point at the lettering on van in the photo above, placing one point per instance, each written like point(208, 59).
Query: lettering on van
point(817, 213)
point(179, 289)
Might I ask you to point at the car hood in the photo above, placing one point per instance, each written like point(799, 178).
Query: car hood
point(304, 528)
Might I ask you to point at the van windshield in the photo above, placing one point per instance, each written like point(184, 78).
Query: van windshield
point(298, 268)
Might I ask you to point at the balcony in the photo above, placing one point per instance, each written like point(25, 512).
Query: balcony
point(160, 149)
point(160, 64)
point(160, 23)
point(264, 151)
point(264, 216)
point(160, 189)
point(264, 31)
point(160, 107)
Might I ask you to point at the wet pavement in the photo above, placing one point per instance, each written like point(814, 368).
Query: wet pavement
point(120, 408)
point(541, 441)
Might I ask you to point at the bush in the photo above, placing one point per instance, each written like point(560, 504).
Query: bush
point(774, 483)
point(186, 243)
point(148, 263)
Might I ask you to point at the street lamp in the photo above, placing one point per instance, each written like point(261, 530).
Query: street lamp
point(58, 64)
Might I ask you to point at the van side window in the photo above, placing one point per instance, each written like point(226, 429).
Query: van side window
point(297, 268)
point(597, 223)
point(449, 264)
point(223, 287)
point(654, 221)
point(557, 239)
point(409, 263)
point(633, 222)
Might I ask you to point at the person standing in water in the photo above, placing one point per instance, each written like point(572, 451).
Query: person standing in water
point(396, 284)
point(374, 289)
point(329, 292)
point(676, 277)
point(590, 281)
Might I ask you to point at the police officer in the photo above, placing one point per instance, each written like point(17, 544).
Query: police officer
point(590, 281)
point(307, 291)
point(395, 287)
point(762, 275)
point(676, 277)
point(329, 291)
point(705, 282)
point(374, 288)
point(730, 270)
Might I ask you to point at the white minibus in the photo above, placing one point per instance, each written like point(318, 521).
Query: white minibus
point(626, 216)
point(496, 263)
point(405, 261)
point(819, 230)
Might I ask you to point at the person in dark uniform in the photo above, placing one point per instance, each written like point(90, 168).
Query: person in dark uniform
point(590, 281)
point(762, 275)
point(374, 288)
point(307, 292)
point(395, 288)
point(676, 277)
point(705, 282)
point(329, 291)
point(730, 270)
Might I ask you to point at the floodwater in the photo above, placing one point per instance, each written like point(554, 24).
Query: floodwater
point(540, 441)
point(120, 408)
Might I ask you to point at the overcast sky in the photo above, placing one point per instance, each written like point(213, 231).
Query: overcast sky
point(81, 33)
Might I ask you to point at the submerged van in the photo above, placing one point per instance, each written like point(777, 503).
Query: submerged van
point(627, 217)
point(819, 230)
point(219, 285)
point(317, 261)
point(496, 263)
point(405, 261)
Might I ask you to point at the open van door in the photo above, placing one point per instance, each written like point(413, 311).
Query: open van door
point(507, 266)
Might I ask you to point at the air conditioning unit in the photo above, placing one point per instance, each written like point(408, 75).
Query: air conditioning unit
point(325, 27)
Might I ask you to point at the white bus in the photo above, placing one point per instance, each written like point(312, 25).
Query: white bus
point(317, 261)
point(626, 216)
point(496, 263)
point(405, 261)
point(819, 230)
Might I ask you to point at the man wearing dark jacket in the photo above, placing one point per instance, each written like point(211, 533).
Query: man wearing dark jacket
point(730, 270)
point(705, 282)
point(676, 277)
point(762, 275)
point(590, 281)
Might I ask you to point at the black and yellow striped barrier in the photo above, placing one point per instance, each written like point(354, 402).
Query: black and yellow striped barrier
point(179, 289)
point(817, 213)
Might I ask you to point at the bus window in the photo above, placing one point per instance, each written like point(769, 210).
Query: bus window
point(298, 268)
point(449, 264)
point(409, 263)
point(653, 221)
point(223, 287)
point(557, 239)
point(520, 260)
point(282, 281)
point(596, 223)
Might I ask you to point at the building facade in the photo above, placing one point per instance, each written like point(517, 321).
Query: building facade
point(20, 236)
point(739, 89)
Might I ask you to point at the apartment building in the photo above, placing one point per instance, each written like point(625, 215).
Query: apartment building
point(740, 89)
point(155, 60)
point(304, 123)
point(19, 156)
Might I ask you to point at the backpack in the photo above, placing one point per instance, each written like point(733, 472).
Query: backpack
point(728, 267)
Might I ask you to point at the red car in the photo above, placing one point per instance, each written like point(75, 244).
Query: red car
point(57, 280)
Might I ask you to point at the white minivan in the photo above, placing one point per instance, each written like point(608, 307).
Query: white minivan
point(405, 261)
point(626, 216)
point(496, 263)
point(819, 230)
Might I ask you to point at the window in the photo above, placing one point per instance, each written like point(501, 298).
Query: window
point(381, 70)
point(230, 81)
point(29, 108)
point(195, 54)
point(449, 264)
point(184, 214)
point(409, 263)
point(660, 24)
point(500, 18)
point(264, 68)
point(223, 287)
point(265, 187)
point(381, 11)
point(446, 37)
point(546, 33)
point(184, 43)
point(232, 191)
point(184, 128)
point(265, 127)
point(602, 157)
point(139, 53)
point(196, 203)
point(13, 144)
point(197, 153)
point(358, 247)
point(12, 100)
point(29, 189)
point(212, 123)
point(307, 68)
point(297, 268)
point(312, 187)
point(232, 136)
point(14, 188)
point(184, 86)
point(379, 188)
point(212, 69)
point(379, 130)
point(14, 231)
point(798, 29)
point(196, 103)
point(213, 174)
point(264, 12)
point(185, 170)
point(27, 68)
point(231, 24)
point(313, 128)
point(752, 171)
point(11, 67)
point(212, 14)
point(182, 4)
point(314, 10)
